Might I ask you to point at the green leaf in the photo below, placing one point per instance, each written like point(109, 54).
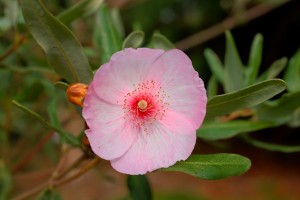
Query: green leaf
point(70, 139)
point(214, 166)
point(117, 21)
point(292, 73)
point(254, 60)
point(274, 70)
point(5, 181)
point(245, 98)
point(64, 52)
point(271, 146)
point(212, 87)
point(159, 41)
point(52, 112)
point(81, 9)
point(295, 119)
point(234, 69)
point(49, 194)
point(139, 187)
point(62, 85)
point(215, 64)
point(215, 130)
point(279, 111)
point(11, 11)
point(134, 39)
point(106, 37)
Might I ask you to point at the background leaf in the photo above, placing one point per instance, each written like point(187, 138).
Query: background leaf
point(134, 39)
point(215, 64)
point(159, 41)
point(49, 194)
point(139, 187)
point(81, 9)
point(216, 130)
point(64, 52)
point(292, 73)
point(234, 69)
point(274, 70)
point(270, 146)
point(70, 139)
point(106, 36)
point(254, 60)
point(212, 87)
point(5, 181)
point(279, 111)
point(245, 98)
point(214, 166)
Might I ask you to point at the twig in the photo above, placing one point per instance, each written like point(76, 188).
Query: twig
point(32, 152)
point(72, 166)
point(32, 191)
point(13, 47)
point(82, 171)
point(228, 23)
point(52, 183)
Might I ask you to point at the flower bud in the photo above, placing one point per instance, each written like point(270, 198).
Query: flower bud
point(76, 93)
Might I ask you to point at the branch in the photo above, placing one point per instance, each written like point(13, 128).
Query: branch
point(229, 23)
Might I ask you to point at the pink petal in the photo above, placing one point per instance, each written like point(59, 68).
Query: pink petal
point(179, 80)
point(124, 71)
point(110, 135)
point(164, 143)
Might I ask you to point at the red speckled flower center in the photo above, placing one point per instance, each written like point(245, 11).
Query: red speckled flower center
point(145, 104)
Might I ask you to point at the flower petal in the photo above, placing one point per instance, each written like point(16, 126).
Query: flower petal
point(162, 145)
point(124, 71)
point(110, 135)
point(181, 83)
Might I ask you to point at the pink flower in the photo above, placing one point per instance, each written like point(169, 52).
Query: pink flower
point(143, 109)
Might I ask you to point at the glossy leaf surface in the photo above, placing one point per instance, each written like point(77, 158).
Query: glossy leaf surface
point(63, 51)
point(245, 98)
point(214, 166)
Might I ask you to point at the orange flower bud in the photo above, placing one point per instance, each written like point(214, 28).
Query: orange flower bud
point(76, 93)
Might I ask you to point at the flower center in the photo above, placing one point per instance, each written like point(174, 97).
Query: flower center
point(142, 105)
point(145, 104)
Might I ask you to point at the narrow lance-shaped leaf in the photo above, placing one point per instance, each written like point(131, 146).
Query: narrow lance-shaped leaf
point(49, 194)
point(72, 140)
point(254, 60)
point(134, 39)
point(212, 87)
point(245, 98)
point(11, 8)
point(292, 73)
point(106, 37)
point(214, 166)
point(271, 146)
point(159, 41)
point(216, 130)
point(62, 85)
point(139, 187)
point(118, 22)
point(63, 50)
point(274, 70)
point(214, 64)
point(281, 110)
point(5, 181)
point(83, 8)
point(234, 69)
